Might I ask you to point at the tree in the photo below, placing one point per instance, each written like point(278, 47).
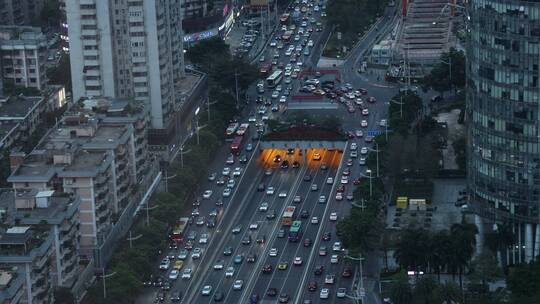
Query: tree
point(485, 269)
point(524, 281)
point(463, 248)
point(61, 74)
point(439, 251)
point(447, 293)
point(63, 295)
point(401, 292)
point(424, 289)
point(499, 240)
point(360, 231)
point(50, 14)
point(411, 252)
point(439, 77)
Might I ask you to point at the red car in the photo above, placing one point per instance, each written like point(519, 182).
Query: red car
point(267, 268)
point(356, 182)
point(340, 188)
point(347, 273)
point(312, 286)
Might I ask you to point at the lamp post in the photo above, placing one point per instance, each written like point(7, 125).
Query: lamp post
point(400, 103)
point(103, 278)
point(376, 151)
point(148, 209)
point(133, 238)
point(368, 171)
point(182, 152)
point(361, 293)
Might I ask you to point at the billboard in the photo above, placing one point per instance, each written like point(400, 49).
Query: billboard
point(258, 2)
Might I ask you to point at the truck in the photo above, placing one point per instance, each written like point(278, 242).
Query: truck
point(177, 233)
point(288, 216)
point(242, 129)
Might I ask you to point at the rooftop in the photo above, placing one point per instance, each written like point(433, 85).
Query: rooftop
point(18, 107)
point(85, 163)
point(21, 33)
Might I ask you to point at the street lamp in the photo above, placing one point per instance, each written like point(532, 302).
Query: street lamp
point(182, 152)
point(103, 278)
point(132, 238)
point(377, 151)
point(360, 292)
point(148, 209)
point(444, 8)
point(400, 103)
point(368, 171)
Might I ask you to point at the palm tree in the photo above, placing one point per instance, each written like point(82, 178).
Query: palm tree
point(499, 240)
point(463, 236)
point(412, 249)
point(441, 248)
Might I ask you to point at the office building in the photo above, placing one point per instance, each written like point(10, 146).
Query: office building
point(503, 113)
point(128, 49)
point(23, 53)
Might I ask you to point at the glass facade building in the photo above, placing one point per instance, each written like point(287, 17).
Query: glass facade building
point(503, 113)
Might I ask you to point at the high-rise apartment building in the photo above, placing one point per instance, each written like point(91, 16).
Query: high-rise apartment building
point(20, 12)
point(504, 120)
point(128, 49)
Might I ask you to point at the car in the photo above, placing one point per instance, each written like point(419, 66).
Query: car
point(333, 216)
point(226, 192)
point(325, 292)
point(213, 213)
point(324, 167)
point(282, 194)
point(275, 94)
point(238, 284)
point(200, 221)
point(237, 229)
point(283, 265)
point(365, 112)
point(227, 250)
point(283, 99)
point(347, 273)
point(182, 254)
point(322, 199)
point(285, 164)
point(238, 259)
point(296, 164)
point(316, 156)
point(251, 258)
point(230, 159)
point(267, 268)
point(314, 187)
point(246, 240)
point(350, 196)
point(254, 226)
point(382, 123)
point(304, 214)
point(207, 194)
point(206, 290)
point(176, 296)
point(330, 180)
point(341, 292)
point(336, 246)
point(186, 273)
point(231, 183)
point(188, 245)
point(243, 159)
point(238, 171)
point(312, 286)
point(196, 254)
point(219, 296)
point(195, 212)
point(364, 150)
point(220, 181)
point(283, 298)
point(363, 123)
point(362, 161)
point(297, 199)
point(261, 187)
point(307, 177)
point(297, 261)
point(270, 190)
point(368, 139)
point(254, 299)
point(329, 279)
point(165, 264)
point(318, 270)
point(307, 242)
point(212, 176)
point(192, 235)
point(341, 187)
point(327, 236)
point(281, 233)
point(271, 292)
point(334, 259)
point(339, 196)
point(173, 275)
point(314, 220)
point(344, 179)
point(263, 207)
point(271, 214)
point(160, 297)
point(267, 172)
point(273, 252)
point(322, 251)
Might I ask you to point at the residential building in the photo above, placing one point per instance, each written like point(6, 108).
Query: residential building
point(503, 98)
point(11, 286)
point(20, 12)
point(23, 52)
point(101, 155)
point(128, 49)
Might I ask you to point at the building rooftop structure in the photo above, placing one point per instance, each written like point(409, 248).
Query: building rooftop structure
point(11, 283)
point(18, 107)
point(21, 34)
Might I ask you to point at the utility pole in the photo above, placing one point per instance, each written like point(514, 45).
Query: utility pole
point(236, 87)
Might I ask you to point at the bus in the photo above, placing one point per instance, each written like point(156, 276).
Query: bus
point(265, 69)
point(242, 129)
point(177, 233)
point(231, 129)
point(236, 145)
point(274, 79)
point(284, 19)
point(287, 36)
point(295, 232)
point(288, 216)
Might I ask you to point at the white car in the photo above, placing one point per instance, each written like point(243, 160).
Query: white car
point(206, 290)
point(354, 146)
point(362, 161)
point(339, 196)
point(334, 259)
point(272, 44)
point(354, 154)
point(283, 99)
point(238, 285)
point(196, 254)
point(336, 246)
point(231, 183)
point(165, 264)
point(254, 226)
point(263, 207)
point(270, 190)
point(324, 293)
point(207, 194)
point(344, 179)
point(203, 239)
point(273, 252)
point(186, 273)
point(382, 123)
point(322, 199)
point(297, 261)
point(364, 123)
point(365, 112)
point(288, 52)
point(229, 272)
point(219, 265)
point(226, 171)
point(282, 194)
point(275, 94)
point(329, 279)
point(333, 216)
point(174, 274)
point(364, 151)
point(237, 171)
point(341, 292)
point(226, 192)
point(330, 180)
point(314, 220)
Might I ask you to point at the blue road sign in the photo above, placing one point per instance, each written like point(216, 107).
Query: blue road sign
point(377, 132)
